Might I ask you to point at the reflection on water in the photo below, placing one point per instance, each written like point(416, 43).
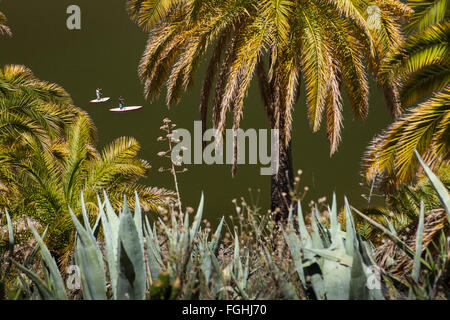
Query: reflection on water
point(105, 53)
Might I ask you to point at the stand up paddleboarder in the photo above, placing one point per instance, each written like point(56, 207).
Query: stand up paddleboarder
point(121, 102)
point(98, 91)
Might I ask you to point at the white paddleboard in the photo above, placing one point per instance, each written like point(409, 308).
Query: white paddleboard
point(125, 109)
point(99, 101)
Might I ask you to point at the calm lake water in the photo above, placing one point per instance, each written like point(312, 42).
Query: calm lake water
point(106, 52)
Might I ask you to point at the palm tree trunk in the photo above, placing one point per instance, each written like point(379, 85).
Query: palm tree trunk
point(282, 184)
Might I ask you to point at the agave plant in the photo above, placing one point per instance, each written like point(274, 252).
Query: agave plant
point(434, 283)
point(124, 249)
point(131, 259)
point(125, 256)
point(4, 273)
point(337, 263)
point(191, 257)
point(131, 262)
point(401, 209)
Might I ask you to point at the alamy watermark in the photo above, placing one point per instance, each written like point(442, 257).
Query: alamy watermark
point(73, 281)
point(374, 279)
point(373, 17)
point(73, 21)
point(189, 148)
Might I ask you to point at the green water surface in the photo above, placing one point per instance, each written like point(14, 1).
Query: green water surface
point(106, 52)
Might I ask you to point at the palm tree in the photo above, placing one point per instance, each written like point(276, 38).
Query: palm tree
point(327, 43)
point(51, 179)
point(422, 66)
point(29, 105)
point(48, 157)
point(4, 29)
point(29, 109)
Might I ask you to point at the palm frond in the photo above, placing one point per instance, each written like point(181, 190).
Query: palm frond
point(392, 153)
point(422, 65)
point(4, 30)
point(415, 59)
point(427, 12)
point(316, 67)
point(117, 163)
point(147, 13)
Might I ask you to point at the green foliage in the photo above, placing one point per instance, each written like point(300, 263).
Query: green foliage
point(48, 156)
point(402, 207)
point(125, 257)
point(336, 262)
point(430, 273)
point(426, 13)
point(441, 190)
point(179, 259)
point(422, 66)
point(4, 273)
point(187, 266)
point(424, 128)
point(163, 289)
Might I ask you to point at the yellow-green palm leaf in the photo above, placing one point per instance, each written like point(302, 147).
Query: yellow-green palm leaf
point(425, 128)
point(422, 63)
point(422, 66)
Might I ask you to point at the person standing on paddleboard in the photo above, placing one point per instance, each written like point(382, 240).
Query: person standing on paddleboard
point(121, 102)
point(98, 91)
